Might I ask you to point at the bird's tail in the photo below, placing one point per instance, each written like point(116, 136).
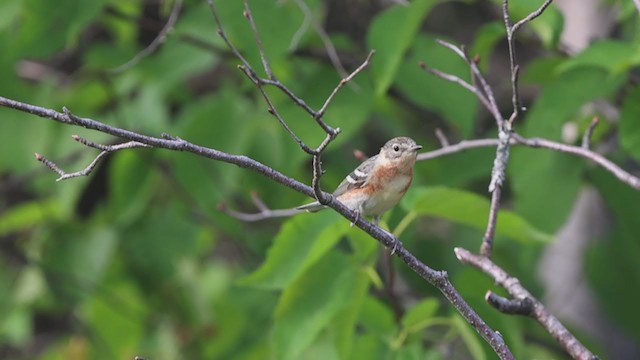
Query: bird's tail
point(311, 207)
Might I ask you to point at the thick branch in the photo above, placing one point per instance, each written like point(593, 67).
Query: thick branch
point(536, 309)
point(439, 279)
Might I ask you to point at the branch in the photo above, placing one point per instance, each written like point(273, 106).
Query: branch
point(151, 48)
point(586, 138)
point(519, 140)
point(483, 91)
point(105, 150)
point(309, 18)
point(524, 303)
point(439, 279)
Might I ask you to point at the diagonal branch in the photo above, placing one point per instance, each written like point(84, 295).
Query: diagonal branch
point(439, 279)
point(525, 304)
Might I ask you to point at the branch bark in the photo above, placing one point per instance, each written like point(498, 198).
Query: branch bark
point(524, 304)
point(439, 279)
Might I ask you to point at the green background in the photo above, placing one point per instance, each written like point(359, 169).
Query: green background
point(137, 259)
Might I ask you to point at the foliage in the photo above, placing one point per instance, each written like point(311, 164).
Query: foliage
point(138, 260)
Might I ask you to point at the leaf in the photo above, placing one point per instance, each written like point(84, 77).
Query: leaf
point(48, 27)
point(132, 182)
point(159, 241)
point(376, 318)
point(470, 209)
point(546, 179)
point(302, 241)
point(26, 215)
point(391, 34)
point(612, 55)
point(630, 123)
point(418, 315)
point(612, 262)
point(345, 322)
point(470, 337)
point(77, 262)
point(452, 101)
point(308, 304)
point(120, 311)
point(486, 39)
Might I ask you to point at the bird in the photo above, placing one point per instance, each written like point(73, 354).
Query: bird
point(379, 182)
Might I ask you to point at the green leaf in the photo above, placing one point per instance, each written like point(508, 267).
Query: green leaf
point(26, 215)
point(132, 182)
point(419, 314)
point(377, 318)
point(486, 39)
point(630, 123)
point(612, 55)
point(346, 320)
point(470, 209)
point(46, 28)
point(76, 263)
point(309, 304)
point(470, 337)
point(118, 320)
point(302, 241)
point(452, 101)
point(612, 263)
point(9, 13)
point(391, 34)
point(157, 244)
point(549, 180)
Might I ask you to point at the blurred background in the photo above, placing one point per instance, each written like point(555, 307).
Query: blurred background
point(138, 260)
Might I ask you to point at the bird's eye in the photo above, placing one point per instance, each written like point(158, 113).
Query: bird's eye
point(396, 148)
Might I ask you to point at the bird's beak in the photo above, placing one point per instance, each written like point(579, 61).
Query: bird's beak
point(416, 147)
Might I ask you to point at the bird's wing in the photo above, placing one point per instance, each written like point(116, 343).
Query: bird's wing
point(358, 178)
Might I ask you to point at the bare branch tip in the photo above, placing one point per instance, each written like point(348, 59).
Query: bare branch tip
point(460, 253)
point(422, 65)
point(38, 156)
point(222, 206)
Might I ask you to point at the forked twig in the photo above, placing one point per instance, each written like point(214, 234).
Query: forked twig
point(524, 303)
point(104, 151)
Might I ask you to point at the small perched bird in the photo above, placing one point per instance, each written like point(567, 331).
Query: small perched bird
point(380, 182)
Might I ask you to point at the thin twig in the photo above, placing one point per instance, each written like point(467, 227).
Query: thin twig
point(324, 37)
point(510, 306)
point(104, 151)
point(608, 165)
point(484, 92)
point(442, 138)
point(262, 215)
point(341, 83)
point(162, 36)
point(549, 322)
point(586, 138)
point(487, 240)
point(265, 63)
point(457, 148)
